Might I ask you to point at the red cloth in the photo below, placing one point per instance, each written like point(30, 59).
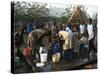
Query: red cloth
point(27, 51)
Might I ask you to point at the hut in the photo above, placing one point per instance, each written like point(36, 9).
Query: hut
point(78, 15)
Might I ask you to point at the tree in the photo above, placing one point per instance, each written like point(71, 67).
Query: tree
point(29, 12)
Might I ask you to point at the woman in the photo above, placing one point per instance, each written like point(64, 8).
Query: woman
point(67, 45)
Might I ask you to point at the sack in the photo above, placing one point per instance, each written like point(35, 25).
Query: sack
point(56, 57)
point(84, 39)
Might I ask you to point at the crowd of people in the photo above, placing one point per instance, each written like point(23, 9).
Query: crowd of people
point(58, 43)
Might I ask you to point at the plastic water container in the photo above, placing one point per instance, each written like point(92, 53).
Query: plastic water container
point(27, 51)
point(56, 57)
point(43, 57)
point(29, 28)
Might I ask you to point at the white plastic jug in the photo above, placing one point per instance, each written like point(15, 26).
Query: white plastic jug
point(43, 57)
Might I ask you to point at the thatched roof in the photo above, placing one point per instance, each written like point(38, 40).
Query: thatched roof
point(77, 16)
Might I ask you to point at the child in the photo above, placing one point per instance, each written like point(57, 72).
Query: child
point(55, 51)
point(82, 48)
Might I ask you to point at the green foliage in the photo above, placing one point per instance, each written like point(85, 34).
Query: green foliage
point(35, 12)
point(26, 12)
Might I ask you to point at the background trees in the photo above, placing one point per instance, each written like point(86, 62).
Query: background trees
point(29, 12)
point(37, 13)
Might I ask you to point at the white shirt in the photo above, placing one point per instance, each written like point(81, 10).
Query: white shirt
point(82, 28)
point(90, 31)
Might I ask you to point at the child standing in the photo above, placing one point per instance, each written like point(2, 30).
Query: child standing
point(56, 52)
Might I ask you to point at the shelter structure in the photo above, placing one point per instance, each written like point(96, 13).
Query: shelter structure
point(77, 17)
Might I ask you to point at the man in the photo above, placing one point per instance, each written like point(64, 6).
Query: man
point(33, 43)
point(90, 30)
point(18, 42)
point(35, 40)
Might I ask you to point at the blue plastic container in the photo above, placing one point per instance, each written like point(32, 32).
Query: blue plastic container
point(29, 28)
